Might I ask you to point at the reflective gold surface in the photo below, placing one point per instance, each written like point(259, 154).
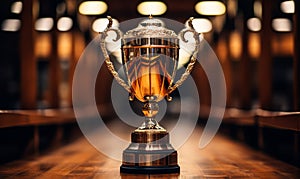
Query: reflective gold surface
point(150, 69)
point(150, 148)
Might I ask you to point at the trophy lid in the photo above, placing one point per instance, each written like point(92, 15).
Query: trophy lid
point(151, 27)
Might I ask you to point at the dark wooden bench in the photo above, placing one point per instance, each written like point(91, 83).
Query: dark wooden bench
point(13, 118)
point(29, 132)
point(276, 133)
point(280, 120)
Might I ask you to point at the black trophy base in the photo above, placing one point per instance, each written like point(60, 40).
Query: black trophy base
point(149, 153)
point(150, 169)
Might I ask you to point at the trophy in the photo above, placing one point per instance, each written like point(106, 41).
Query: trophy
point(150, 56)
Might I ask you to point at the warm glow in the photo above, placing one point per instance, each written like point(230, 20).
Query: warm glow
point(282, 25)
point(64, 24)
point(16, 7)
point(222, 50)
point(100, 24)
point(92, 7)
point(11, 25)
point(44, 24)
point(283, 44)
point(257, 8)
point(43, 45)
point(202, 25)
point(78, 46)
point(145, 82)
point(219, 22)
point(254, 45)
point(287, 6)
point(152, 7)
point(235, 45)
point(232, 7)
point(210, 8)
point(64, 46)
point(254, 24)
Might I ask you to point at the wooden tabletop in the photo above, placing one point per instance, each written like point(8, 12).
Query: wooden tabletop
point(222, 158)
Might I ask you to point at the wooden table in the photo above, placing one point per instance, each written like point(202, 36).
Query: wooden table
point(222, 158)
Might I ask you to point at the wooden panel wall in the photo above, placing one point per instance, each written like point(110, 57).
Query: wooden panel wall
point(297, 56)
point(265, 62)
point(27, 60)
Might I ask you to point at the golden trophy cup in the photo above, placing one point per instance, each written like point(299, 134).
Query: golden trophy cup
point(150, 55)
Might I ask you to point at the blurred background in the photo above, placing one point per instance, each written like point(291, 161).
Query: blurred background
point(255, 41)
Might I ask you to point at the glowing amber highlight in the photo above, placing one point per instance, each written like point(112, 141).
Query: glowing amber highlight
point(149, 78)
point(150, 69)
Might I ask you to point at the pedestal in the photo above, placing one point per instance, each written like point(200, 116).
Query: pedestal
point(150, 152)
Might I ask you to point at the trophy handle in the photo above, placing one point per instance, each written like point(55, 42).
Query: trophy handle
point(192, 58)
point(108, 62)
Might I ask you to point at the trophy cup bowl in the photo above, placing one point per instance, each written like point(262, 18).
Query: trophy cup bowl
point(150, 55)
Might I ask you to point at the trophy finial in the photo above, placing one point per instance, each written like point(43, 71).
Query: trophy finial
point(110, 22)
point(190, 23)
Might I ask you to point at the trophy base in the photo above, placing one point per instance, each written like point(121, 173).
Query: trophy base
point(149, 153)
point(150, 170)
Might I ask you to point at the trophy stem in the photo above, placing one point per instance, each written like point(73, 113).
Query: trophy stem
point(150, 109)
point(150, 123)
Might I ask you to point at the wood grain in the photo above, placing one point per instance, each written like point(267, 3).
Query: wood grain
point(28, 65)
point(12, 118)
point(222, 158)
point(279, 120)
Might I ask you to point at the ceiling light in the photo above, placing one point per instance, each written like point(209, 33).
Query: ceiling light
point(287, 6)
point(152, 7)
point(210, 8)
point(16, 7)
point(254, 24)
point(44, 24)
point(92, 7)
point(282, 25)
point(11, 25)
point(64, 24)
